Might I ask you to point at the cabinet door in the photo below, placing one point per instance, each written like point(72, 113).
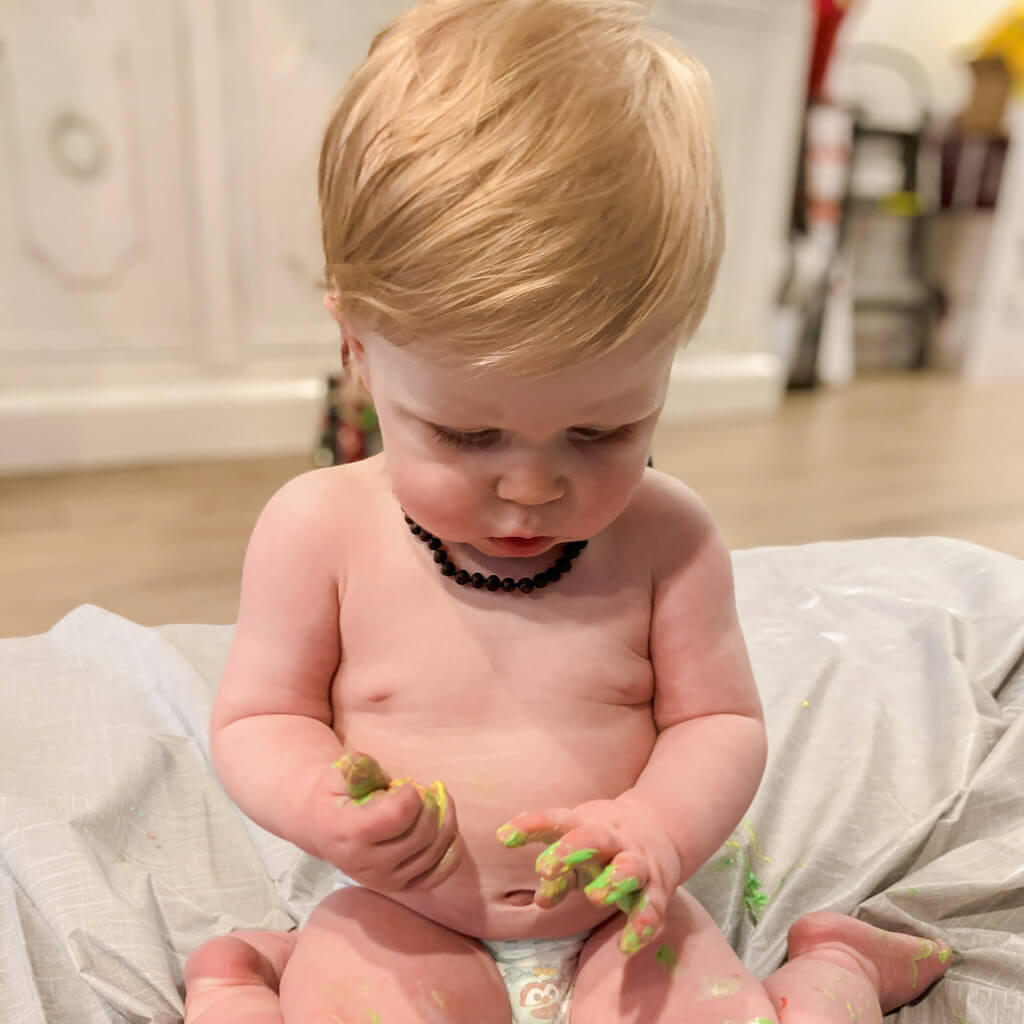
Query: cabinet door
point(94, 255)
point(284, 63)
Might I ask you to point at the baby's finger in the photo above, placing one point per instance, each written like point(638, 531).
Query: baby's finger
point(389, 814)
point(362, 775)
point(537, 827)
point(552, 891)
point(620, 884)
point(589, 844)
point(434, 827)
point(643, 921)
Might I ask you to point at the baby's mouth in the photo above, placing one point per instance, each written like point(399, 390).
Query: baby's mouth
point(522, 547)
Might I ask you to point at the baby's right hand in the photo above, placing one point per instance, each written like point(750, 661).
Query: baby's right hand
point(387, 835)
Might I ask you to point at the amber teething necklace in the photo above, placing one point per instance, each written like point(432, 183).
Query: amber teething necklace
point(508, 585)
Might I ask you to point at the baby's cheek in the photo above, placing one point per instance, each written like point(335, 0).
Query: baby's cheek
point(437, 496)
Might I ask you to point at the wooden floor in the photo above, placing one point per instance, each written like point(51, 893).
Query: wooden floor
point(903, 455)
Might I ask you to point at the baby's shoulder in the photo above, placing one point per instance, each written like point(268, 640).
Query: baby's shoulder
point(324, 503)
point(667, 524)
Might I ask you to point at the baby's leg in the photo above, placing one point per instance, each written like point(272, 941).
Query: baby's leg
point(363, 957)
point(841, 969)
point(236, 978)
point(689, 973)
point(360, 957)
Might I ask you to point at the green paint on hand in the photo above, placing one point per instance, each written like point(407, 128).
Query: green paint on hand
point(666, 957)
point(553, 890)
point(511, 837)
point(548, 863)
point(632, 941)
point(362, 774)
point(945, 954)
point(620, 893)
point(579, 857)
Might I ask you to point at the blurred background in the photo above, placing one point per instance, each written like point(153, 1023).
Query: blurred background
point(165, 362)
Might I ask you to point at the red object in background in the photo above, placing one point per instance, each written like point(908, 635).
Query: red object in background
point(828, 17)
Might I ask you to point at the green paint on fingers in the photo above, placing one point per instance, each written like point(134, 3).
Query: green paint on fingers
point(633, 941)
point(579, 857)
point(511, 837)
point(362, 774)
point(945, 954)
point(553, 890)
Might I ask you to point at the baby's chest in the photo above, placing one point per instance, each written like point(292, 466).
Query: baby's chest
point(491, 662)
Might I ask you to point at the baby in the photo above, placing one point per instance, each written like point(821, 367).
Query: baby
point(506, 633)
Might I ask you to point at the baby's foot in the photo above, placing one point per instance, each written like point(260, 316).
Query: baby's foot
point(900, 966)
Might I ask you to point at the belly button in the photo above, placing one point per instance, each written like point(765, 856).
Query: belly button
point(519, 897)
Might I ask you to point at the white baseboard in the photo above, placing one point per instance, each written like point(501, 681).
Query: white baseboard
point(49, 430)
point(81, 429)
point(727, 387)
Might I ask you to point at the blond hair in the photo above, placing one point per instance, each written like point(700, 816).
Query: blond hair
point(521, 183)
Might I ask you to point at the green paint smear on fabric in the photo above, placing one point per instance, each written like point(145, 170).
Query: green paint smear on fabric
point(666, 957)
point(754, 897)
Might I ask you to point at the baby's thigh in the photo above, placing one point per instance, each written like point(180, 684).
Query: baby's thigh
point(688, 973)
point(361, 956)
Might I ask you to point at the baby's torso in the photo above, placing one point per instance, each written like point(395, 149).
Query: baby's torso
point(516, 703)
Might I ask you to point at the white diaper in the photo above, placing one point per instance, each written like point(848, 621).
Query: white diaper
point(539, 975)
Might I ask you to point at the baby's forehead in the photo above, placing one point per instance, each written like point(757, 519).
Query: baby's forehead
point(573, 396)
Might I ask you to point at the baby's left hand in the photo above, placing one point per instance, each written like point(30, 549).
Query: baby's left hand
point(613, 848)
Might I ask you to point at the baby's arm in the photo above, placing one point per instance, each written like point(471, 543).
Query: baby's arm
point(270, 730)
point(709, 755)
point(271, 734)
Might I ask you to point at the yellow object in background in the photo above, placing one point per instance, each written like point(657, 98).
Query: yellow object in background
point(1005, 39)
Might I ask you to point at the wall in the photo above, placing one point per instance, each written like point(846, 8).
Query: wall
point(936, 32)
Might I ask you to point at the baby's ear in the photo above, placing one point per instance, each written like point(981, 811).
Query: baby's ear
point(352, 351)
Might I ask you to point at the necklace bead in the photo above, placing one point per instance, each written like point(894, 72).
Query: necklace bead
point(525, 585)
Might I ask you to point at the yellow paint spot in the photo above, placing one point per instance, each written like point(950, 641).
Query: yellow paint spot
point(718, 988)
point(807, 703)
point(752, 836)
point(924, 950)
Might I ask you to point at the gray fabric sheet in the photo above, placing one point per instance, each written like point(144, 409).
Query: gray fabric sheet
point(893, 681)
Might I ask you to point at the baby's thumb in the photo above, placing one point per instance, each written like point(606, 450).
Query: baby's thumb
point(362, 775)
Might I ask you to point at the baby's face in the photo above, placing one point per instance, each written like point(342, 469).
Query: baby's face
point(483, 458)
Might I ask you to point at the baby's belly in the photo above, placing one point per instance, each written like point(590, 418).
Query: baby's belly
point(562, 758)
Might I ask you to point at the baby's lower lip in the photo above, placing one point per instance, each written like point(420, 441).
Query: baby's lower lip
point(522, 545)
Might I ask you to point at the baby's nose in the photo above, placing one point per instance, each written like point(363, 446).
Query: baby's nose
point(530, 485)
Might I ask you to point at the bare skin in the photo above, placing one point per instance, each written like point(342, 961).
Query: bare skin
point(578, 731)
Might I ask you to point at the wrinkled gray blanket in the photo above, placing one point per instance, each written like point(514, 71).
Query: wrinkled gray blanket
point(893, 681)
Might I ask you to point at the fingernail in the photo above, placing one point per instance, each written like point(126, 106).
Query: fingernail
point(632, 942)
point(361, 773)
point(553, 890)
point(511, 837)
point(622, 893)
point(549, 863)
point(441, 796)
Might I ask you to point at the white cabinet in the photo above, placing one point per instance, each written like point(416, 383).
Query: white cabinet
point(159, 248)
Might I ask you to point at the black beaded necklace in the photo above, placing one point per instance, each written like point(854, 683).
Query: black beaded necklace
point(508, 585)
